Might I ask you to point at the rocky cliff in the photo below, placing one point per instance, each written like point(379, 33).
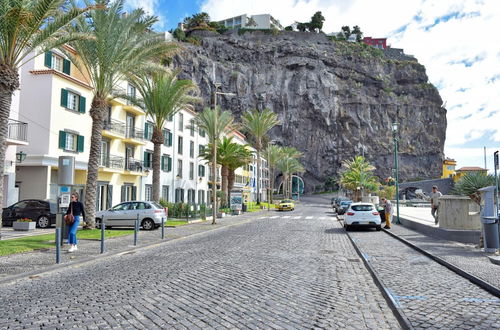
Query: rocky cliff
point(334, 100)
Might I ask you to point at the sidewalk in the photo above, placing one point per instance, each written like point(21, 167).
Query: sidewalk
point(464, 256)
point(24, 264)
point(10, 233)
point(421, 220)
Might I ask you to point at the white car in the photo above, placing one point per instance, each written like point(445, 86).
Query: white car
point(362, 214)
point(125, 214)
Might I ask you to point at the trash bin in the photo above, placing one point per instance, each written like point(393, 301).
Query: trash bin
point(491, 239)
point(244, 207)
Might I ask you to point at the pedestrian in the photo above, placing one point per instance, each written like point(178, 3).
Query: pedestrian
point(435, 195)
point(75, 208)
point(388, 212)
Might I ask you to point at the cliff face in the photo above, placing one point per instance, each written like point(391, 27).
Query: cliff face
point(334, 100)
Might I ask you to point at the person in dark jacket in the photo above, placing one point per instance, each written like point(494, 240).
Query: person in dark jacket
point(76, 208)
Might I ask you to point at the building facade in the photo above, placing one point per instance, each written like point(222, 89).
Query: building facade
point(258, 22)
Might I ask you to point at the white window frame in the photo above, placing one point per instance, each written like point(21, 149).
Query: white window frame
point(71, 142)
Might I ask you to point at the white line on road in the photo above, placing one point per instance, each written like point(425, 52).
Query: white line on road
point(309, 218)
point(286, 217)
point(297, 217)
point(276, 216)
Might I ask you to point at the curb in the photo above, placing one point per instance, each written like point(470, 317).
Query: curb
point(106, 255)
point(475, 280)
point(495, 260)
point(398, 312)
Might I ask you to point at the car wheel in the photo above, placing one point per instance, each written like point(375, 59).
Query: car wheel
point(43, 222)
point(347, 227)
point(379, 228)
point(148, 224)
point(98, 223)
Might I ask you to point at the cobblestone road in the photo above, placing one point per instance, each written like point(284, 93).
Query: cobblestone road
point(286, 270)
point(430, 295)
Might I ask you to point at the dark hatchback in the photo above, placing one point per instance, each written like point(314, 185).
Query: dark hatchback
point(43, 212)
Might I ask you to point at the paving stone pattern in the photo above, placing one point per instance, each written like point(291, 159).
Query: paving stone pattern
point(280, 273)
point(465, 256)
point(430, 295)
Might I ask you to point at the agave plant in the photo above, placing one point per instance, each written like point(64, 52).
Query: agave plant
point(470, 183)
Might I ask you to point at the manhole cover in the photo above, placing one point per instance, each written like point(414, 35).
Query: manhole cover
point(327, 251)
point(353, 260)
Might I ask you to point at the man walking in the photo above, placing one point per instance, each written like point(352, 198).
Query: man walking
point(388, 212)
point(435, 194)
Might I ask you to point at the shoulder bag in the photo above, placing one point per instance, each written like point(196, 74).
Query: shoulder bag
point(69, 218)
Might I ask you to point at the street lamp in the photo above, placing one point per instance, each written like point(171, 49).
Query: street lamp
point(395, 139)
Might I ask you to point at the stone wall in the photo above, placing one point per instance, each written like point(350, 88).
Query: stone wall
point(458, 212)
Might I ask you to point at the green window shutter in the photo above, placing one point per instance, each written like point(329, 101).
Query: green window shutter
point(169, 164)
point(81, 106)
point(124, 193)
point(165, 136)
point(109, 199)
point(146, 131)
point(48, 59)
point(79, 143)
point(66, 66)
point(134, 193)
point(146, 159)
point(170, 139)
point(62, 139)
point(64, 98)
point(163, 163)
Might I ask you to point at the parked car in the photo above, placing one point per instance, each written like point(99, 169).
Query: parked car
point(343, 206)
point(362, 214)
point(125, 215)
point(41, 211)
point(336, 202)
point(286, 204)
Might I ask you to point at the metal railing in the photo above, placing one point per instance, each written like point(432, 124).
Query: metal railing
point(17, 130)
point(135, 165)
point(112, 161)
point(134, 133)
point(114, 126)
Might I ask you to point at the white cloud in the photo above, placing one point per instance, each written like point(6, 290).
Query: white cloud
point(440, 34)
point(151, 7)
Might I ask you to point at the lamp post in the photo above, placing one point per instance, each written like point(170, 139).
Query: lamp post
point(396, 167)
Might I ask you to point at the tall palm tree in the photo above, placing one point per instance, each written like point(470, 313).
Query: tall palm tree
point(119, 44)
point(27, 29)
point(162, 96)
point(289, 165)
point(215, 123)
point(357, 176)
point(258, 124)
point(293, 153)
point(273, 154)
point(243, 156)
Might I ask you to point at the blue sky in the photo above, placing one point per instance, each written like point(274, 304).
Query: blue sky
point(456, 40)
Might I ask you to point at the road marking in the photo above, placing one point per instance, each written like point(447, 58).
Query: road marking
point(309, 218)
point(286, 217)
point(297, 217)
point(276, 216)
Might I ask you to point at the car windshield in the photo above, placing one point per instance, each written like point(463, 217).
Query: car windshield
point(286, 201)
point(345, 202)
point(364, 207)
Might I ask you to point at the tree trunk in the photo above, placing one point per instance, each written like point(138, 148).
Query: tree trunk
point(272, 184)
point(230, 184)
point(258, 174)
point(224, 174)
point(97, 111)
point(9, 82)
point(214, 181)
point(157, 141)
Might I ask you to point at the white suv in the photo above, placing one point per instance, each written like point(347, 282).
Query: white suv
point(362, 214)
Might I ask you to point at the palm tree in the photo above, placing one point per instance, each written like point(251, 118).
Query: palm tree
point(27, 29)
point(243, 156)
point(162, 96)
point(289, 165)
point(119, 44)
point(273, 154)
point(291, 152)
point(258, 124)
point(215, 123)
point(357, 175)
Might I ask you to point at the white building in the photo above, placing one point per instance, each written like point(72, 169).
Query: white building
point(264, 21)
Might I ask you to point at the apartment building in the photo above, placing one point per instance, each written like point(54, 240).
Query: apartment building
point(184, 176)
point(263, 21)
point(242, 174)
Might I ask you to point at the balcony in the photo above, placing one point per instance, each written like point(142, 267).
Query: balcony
point(114, 128)
point(112, 161)
point(17, 133)
point(134, 135)
point(134, 165)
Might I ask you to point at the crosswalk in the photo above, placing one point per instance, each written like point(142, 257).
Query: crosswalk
point(297, 217)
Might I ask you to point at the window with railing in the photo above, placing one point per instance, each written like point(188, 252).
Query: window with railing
point(17, 130)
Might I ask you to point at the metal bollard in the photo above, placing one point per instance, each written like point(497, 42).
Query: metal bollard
point(162, 228)
point(58, 245)
point(136, 228)
point(103, 228)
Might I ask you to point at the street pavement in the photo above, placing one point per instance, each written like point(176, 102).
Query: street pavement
point(276, 270)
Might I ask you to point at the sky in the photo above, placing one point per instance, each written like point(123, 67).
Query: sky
point(456, 40)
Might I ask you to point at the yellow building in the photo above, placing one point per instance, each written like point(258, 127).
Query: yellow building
point(449, 168)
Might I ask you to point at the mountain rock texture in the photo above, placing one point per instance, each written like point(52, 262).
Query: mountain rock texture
point(334, 100)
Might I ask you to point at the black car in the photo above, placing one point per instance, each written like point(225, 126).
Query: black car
point(43, 212)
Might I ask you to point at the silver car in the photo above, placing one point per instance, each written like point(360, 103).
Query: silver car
point(125, 214)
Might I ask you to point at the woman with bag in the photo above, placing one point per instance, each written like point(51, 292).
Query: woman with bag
point(75, 211)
